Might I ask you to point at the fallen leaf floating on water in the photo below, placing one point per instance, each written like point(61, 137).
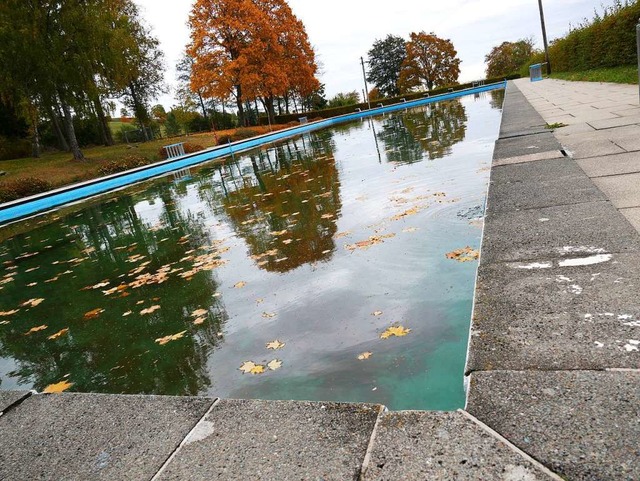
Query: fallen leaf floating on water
point(57, 387)
point(397, 331)
point(149, 310)
point(465, 254)
point(31, 303)
point(35, 329)
point(9, 313)
point(174, 337)
point(249, 367)
point(275, 365)
point(58, 334)
point(268, 315)
point(327, 216)
point(128, 313)
point(364, 356)
point(339, 235)
point(409, 230)
point(199, 313)
point(93, 313)
point(376, 313)
point(407, 213)
point(199, 320)
point(240, 285)
point(275, 345)
point(373, 240)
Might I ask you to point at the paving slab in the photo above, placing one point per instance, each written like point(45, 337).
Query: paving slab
point(7, 398)
point(633, 216)
point(443, 446)
point(93, 436)
point(622, 190)
point(550, 155)
point(276, 440)
point(583, 425)
point(544, 183)
point(541, 234)
point(507, 147)
point(615, 122)
point(519, 116)
point(582, 149)
point(627, 163)
point(549, 315)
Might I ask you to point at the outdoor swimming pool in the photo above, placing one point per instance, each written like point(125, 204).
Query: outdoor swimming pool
point(314, 268)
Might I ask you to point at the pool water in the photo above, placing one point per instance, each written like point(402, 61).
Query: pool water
point(314, 268)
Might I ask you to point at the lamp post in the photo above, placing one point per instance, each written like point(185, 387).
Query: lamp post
point(366, 88)
point(544, 38)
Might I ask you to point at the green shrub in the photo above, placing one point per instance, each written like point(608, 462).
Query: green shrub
point(126, 163)
point(14, 148)
point(18, 188)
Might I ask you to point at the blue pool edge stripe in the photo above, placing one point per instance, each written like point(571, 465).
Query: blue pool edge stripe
point(21, 208)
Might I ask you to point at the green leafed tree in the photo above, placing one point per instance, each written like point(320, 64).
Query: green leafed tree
point(344, 99)
point(508, 57)
point(385, 61)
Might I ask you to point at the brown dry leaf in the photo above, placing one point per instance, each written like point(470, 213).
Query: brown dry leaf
point(373, 240)
point(149, 310)
point(275, 364)
point(410, 229)
point(364, 356)
point(407, 213)
point(58, 334)
point(240, 285)
point(249, 367)
point(279, 233)
point(376, 313)
point(128, 313)
point(35, 329)
point(397, 331)
point(268, 315)
point(327, 216)
point(9, 313)
point(465, 254)
point(31, 303)
point(57, 387)
point(93, 313)
point(275, 345)
point(260, 300)
point(199, 313)
point(173, 337)
point(199, 321)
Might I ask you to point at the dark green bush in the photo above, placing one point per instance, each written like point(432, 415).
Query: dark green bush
point(18, 188)
point(14, 148)
point(126, 163)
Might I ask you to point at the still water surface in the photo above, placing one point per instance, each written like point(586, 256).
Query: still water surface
point(315, 246)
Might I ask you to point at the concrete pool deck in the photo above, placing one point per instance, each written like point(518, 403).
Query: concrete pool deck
point(553, 362)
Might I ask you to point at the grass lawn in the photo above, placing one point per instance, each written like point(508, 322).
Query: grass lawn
point(60, 169)
point(620, 75)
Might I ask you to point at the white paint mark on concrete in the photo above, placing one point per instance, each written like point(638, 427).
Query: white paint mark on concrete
point(599, 345)
point(517, 473)
point(632, 324)
point(582, 250)
point(632, 346)
point(608, 314)
point(202, 431)
point(588, 317)
point(625, 317)
point(586, 261)
point(536, 265)
point(575, 289)
point(563, 279)
point(544, 219)
point(594, 277)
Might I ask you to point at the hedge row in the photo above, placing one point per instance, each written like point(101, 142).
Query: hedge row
point(606, 41)
point(349, 109)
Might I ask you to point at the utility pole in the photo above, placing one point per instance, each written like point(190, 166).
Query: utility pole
point(544, 38)
point(366, 88)
point(638, 43)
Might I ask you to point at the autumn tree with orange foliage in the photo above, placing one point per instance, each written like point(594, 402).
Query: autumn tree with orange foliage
point(431, 61)
point(250, 49)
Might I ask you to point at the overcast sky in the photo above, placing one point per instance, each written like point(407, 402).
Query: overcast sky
point(343, 30)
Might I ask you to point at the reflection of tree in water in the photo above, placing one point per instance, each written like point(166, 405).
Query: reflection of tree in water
point(432, 129)
point(497, 98)
point(286, 208)
point(114, 351)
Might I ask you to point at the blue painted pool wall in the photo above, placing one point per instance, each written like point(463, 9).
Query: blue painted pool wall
point(29, 206)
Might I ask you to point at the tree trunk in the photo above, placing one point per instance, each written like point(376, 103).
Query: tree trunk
point(35, 143)
point(57, 129)
point(241, 119)
point(204, 110)
point(103, 124)
point(268, 101)
point(139, 111)
point(71, 133)
point(295, 106)
point(286, 103)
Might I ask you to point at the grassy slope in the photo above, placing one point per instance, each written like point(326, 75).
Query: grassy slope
point(60, 169)
point(622, 75)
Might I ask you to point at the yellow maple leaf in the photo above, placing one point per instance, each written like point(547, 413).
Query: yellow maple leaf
point(397, 331)
point(199, 313)
point(58, 334)
point(275, 364)
point(57, 387)
point(93, 313)
point(199, 321)
point(240, 285)
point(32, 302)
point(35, 329)
point(275, 345)
point(149, 310)
point(466, 254)
point(268, 315)
point(364, 356)
point(173, 337)
point(250, 367)
point(9, 313)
